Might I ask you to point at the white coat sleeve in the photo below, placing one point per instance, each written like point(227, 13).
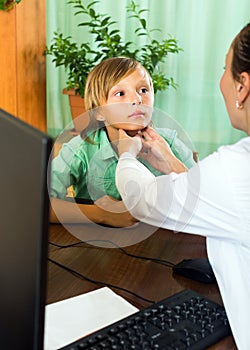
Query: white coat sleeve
point(198, 201)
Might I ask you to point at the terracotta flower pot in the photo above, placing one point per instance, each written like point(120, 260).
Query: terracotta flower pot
point(77, 107)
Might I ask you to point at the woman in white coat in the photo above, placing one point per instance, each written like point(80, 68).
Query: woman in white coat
point(211, 199)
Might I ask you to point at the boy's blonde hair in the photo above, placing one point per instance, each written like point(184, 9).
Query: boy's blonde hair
point(104, 76)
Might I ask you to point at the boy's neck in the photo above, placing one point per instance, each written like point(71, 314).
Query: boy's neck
point(113, 135)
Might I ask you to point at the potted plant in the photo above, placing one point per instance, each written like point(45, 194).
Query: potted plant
point(79, 58)
point(6, 5)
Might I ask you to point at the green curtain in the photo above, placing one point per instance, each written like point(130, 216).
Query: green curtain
point(204, 29)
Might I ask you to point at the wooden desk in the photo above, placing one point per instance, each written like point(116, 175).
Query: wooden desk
point(110, 265)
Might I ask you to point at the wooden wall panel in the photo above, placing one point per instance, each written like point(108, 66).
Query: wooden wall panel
point(8, 74)
point(24, 62)
point(31, 93)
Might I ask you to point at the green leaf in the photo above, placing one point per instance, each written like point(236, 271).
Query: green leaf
point(92, 13)
point(143, 10)
point(143, 23)
point(115, 31)
point(87, 24)
point(91, 4)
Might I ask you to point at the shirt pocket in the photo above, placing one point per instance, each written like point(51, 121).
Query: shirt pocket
point(99, 186)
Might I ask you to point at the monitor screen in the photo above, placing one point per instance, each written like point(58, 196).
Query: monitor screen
point(23, 233)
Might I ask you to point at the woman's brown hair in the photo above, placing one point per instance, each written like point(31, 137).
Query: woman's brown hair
point(241, 53)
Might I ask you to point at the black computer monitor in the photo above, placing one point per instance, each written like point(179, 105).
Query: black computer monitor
point(24, 221)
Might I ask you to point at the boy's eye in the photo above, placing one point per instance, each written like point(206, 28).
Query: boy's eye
point(143, 90)
point(119, 93)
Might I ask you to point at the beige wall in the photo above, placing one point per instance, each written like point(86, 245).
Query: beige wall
point(22, 62)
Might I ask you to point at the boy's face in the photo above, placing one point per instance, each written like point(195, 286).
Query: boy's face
point(130, 102)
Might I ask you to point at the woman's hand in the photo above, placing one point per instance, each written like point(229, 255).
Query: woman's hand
point(156, 151)
point(129, 144)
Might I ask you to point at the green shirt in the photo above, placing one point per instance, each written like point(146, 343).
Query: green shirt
point(90, 166)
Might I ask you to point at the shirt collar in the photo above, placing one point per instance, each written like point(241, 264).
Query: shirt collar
point(106, 150)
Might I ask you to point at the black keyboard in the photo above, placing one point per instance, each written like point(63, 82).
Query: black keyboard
point(186, 320)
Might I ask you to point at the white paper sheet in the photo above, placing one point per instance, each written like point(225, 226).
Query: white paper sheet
point(73, 318)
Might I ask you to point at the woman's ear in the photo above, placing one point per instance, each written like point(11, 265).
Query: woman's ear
point(243, 87)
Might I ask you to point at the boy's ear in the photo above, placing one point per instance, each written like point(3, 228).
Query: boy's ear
point(99, 117)
point(243, 87)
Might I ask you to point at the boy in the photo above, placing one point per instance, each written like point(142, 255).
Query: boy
point(118, 94)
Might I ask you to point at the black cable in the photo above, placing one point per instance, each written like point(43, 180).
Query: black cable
point(81, 276)
point(156, 260)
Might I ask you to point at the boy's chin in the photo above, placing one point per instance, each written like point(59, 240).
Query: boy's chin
point(132, 133)
point(131, 130)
